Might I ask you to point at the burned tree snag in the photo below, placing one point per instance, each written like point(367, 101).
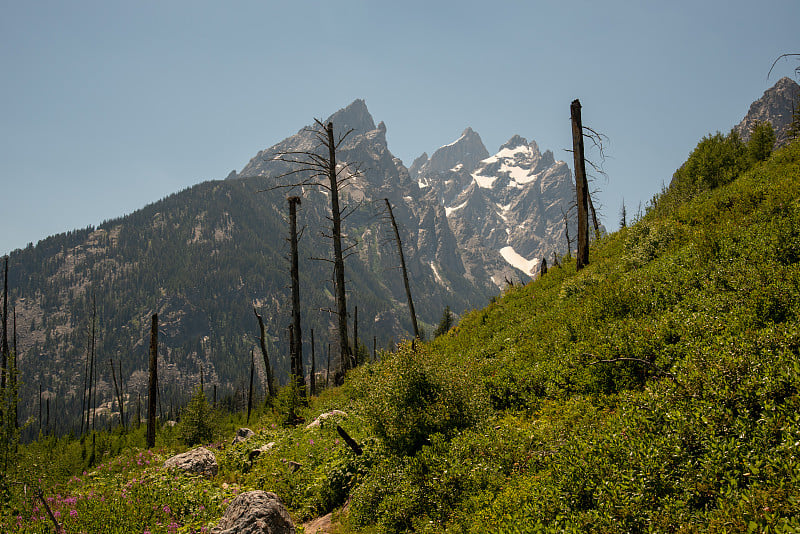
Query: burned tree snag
point(250, 392)
point(153, 389)
point(117, 390)
point(263, 342)
point(338, 258)
point(4, 348)
point(355, 337)
point(581, 185)
point(403, 267)
point(297, 342)
point(311, 378)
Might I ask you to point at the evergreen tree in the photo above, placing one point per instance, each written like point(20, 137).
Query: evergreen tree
point(445, 323)
point(762, 139)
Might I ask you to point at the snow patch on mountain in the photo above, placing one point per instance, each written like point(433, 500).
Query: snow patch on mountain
point(516, 260)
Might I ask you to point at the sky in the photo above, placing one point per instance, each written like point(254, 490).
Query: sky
point(107, 106)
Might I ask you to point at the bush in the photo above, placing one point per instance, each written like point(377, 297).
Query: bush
point(716, 160)
point(412, 396)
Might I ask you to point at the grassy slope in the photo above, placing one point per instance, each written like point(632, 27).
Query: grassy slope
point(516, 420)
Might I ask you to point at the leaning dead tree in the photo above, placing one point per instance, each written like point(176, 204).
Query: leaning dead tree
point(297, 342)
point(318, 168)
point(263, 342)
point(403, 267)
point(581, 185)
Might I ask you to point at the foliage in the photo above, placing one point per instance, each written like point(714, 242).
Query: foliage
point(197, 421)
point(762, 139)
point(445, 323)
point(716, 160)
point(413, 396)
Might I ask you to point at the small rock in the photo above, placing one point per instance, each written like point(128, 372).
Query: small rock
point(200, 460)
point(294, 466)
point(321, 418)
point(243, 434)
point(255, 453)
point(255, 512)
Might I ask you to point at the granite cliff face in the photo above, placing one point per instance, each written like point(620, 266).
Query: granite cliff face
point(505, 209)
point(777, 107)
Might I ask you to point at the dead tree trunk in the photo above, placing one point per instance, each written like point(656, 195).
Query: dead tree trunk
point(153, 389)
point(338, 258)
point(4, 347)
point(311, 376)
point(117, 390)
point(581, 185)
point(595, 224)
point(566, 232)
point(250, 392)
point(263, 342)
point(403, 267)
point(328, 370)
point(355, 335)
point(90, 359)
point(297, 351)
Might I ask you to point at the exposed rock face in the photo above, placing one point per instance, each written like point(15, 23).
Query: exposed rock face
point(776, 107)
point(200, 461)
point(504, 210)
point(255, 512)
point(242, 434)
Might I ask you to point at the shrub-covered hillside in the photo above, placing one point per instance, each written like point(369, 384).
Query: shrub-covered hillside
point(656, 390)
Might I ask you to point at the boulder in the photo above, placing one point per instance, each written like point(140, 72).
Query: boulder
point(255, 512)
point(200, 461)
point(243, 434)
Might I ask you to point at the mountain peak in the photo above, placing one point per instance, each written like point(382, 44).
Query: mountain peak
point(355, 117)
point(514, 142)
point(776, 107)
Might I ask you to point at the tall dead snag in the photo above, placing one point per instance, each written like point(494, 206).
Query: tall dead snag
point(4, 368)
point(355, 335)
point(117, 390)
point(263, 342)
point(318, 168)
point(297, 345)
point(403, 267)
point(311, 378)
point(92, 378)
point(250, 393)
point(153, 389)
point(581, 185)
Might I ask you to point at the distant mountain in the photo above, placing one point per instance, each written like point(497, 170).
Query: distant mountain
point(776, 107)
point(505, 209)
point(203, 257)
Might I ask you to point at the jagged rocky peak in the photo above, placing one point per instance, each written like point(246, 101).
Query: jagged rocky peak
point(776, 107)
point(354, 117)
point(514, 142)
point(466, 151)
point(417, 164)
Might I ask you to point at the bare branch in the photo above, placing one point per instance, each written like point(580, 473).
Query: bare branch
point(796, 69)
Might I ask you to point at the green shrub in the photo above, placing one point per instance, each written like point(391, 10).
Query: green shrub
point(413, 396)
point(196, 424)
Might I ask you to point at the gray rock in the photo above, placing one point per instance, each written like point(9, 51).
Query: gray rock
point(200, 461)
point(255, 453)
point(775, 107)
point(255, 512)
point(243, 434)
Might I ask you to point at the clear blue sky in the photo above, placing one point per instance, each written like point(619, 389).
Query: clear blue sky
point(106, 106)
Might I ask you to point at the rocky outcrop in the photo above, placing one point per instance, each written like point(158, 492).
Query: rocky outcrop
point(200, 461)
point(255, 512)
point(776, 107)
